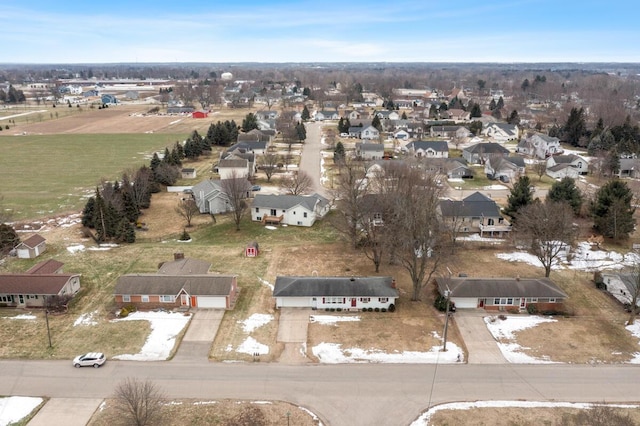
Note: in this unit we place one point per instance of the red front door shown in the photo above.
(194, 301)
(353, 302)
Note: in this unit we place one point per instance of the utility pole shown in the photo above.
(446, 320)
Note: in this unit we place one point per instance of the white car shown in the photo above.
(91, 359)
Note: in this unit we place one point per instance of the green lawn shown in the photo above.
(45, 175)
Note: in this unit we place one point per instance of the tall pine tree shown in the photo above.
(612, 211)
(521, 195)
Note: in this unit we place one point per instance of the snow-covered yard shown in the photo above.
(582, 258)
(503, 331)
(14, 408)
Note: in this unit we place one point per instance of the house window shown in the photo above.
(145, 298)
(365, 299)
(257, 209)
(490, 222)
(167, 298)
(273, 212)
(126, 298)
(534, 300)
(552, 300)
(332, 300)
(305, 214)
(383, 299)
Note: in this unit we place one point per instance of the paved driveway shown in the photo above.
(202, 330)
(481, 345)
(292, 331)
(66, 412)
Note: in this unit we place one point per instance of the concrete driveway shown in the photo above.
(66, 412)
(481, 345)
(199, 337)
(292, 331)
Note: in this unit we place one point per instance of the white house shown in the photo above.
(540, 146)
(342, 293)
(369, 132)
(501, 132)
(580, 164)
(369, 151)
(297, 210)
(428, 149)
(229, 168)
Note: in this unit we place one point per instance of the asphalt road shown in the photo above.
(355, 394)
(310, 158)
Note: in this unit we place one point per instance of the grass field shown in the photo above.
(48, 175)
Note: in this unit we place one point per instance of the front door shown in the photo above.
(481, 303)
(523, 303)
(353, 302)
(21, 299)
(194, 301)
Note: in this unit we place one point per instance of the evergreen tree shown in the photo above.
(126, 233)
(88, 213)
(232, 132)
(210, 137)
(514, 118)
(343, 125)
(575, 126)
(567, 191)
(8, 238)
(521, 195)
(305, 113)
(500, 103)
(456, 104)
(166, 158)
(475, 111)
(492, 105)
(612, 211)
(180, 150)
(155, 161)
(376, 123)
(404, 115)
(301, 131)
(612, 162)
(249, 123)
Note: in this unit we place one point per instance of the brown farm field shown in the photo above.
(126, 118)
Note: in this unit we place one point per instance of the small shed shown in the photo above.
(188, 173)
(252, 249)
(32, 247)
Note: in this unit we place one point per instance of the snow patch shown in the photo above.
(506, 329)
(255, 321)
(22, 317)
(332, 353)
(15, 408)
(86, 319)
(75, 248)
(165, 326)
(252, 346)
(265, 282)
(331, 319)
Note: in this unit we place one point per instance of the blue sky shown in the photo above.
(78, 31)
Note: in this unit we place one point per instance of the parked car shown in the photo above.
(91, 359)
(256, 188)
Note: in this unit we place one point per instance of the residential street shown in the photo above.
(310, 158)
(353, 394)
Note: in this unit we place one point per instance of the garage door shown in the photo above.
(211, 302)
(465, 302)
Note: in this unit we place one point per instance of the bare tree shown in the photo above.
(351, 185)
(298, 183)
(374, 240)
(548, 228)
(140, 402)
(540, 168)
(237, 189)
(187, 209)
(415, 232)
(268, 163)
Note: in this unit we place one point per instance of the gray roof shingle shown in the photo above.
(501, 287)
(334, 287)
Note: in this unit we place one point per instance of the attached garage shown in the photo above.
(294, 302)
(465, 302)
(211, 302)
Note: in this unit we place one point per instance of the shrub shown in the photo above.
(370, 309)
(377, 309)
(502, 317)
(384, 309)
(185, 236)
(333, 309)
(532, 309)
(326, 309)
(339, 309)
(392, 307)
(123, 313)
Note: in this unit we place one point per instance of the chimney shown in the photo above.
(393, 283)
(178, 256)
